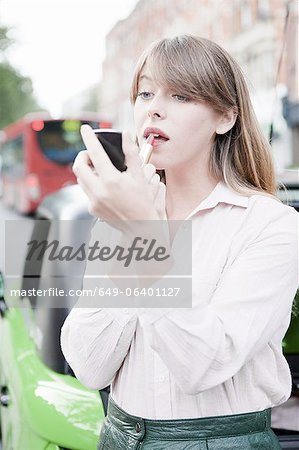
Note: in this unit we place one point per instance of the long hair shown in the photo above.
(205, 72)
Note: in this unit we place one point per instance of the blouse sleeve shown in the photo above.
(252, 300)
(95, 342)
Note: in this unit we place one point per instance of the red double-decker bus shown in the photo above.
(37, 153)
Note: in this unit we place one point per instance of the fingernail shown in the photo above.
(85, 126)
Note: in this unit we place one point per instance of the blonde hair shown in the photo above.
(203, 71)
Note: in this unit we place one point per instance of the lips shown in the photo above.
(158, 134)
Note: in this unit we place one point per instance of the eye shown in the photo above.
(181, 98)
(145, 95)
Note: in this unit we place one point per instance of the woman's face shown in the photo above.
(187, 127)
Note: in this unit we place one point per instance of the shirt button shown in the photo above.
(138, 427)
(126, 311)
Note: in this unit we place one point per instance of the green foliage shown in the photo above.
(16, 92)
(5, 41)
(16, 95)
(295, 309)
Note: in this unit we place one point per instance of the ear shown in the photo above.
(227, 120)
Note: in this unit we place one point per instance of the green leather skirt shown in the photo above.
(122, 431)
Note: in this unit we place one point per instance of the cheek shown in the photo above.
(139, 119)
(195, 138)
(201, 129)
(202, 119)
(140, 111)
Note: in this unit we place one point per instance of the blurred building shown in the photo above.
(86, 100)
(291, 100)
(251, 30)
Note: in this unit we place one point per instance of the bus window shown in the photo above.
(60, 140)
(13, 158)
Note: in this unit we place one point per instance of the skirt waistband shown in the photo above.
(198, 428)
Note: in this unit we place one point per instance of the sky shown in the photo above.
(60, 44)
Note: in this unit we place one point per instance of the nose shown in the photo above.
(156, 110)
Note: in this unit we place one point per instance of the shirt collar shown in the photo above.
(221, 194)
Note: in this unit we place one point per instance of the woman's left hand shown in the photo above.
(113, 195)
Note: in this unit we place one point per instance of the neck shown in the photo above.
(186, 190)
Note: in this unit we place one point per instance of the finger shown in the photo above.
(84, 189)
(131, 151)
(160, 200)
(155, 186)
(155, 180)
(81, 158)
(149, 171)
(86, 176)
(97, 154)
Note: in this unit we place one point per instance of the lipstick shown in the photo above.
(146, 149)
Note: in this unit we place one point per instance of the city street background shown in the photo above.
(73, 60)
(80, 56)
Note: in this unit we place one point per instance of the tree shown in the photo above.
(16, 92)
(5, 41)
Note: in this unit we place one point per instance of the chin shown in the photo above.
(158, 166)
(162, 165)
(158, 162)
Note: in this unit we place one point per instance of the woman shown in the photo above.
(206, 376)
